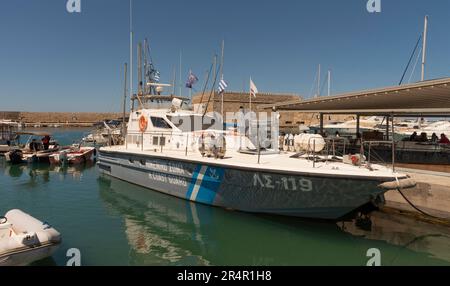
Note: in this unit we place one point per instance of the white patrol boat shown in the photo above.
(179, 152)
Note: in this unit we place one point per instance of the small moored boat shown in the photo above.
(73, 156)
(34, 150)
(25, 239)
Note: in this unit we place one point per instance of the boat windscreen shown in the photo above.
(159, 122)
(191, 123)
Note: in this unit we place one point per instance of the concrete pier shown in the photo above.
(432, 193)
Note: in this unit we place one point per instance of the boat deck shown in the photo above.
(273, 162)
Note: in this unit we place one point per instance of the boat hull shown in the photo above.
(25, 256)
(73, 158)
(244, 189)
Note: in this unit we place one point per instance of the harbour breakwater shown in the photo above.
(51, 119)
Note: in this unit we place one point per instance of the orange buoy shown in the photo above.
(143, 123)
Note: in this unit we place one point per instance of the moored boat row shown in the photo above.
(47, 150)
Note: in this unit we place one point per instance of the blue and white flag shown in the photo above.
(192, 79)
(222, 86)
(157, 76)
(154, 75)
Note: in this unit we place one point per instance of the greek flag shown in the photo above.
(222, 86)
(155, 75)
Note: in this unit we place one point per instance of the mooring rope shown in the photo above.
(415, 207)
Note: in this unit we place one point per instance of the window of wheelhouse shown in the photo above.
(159, 122)
(190, 123)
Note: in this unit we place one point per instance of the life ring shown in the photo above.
(143, 123)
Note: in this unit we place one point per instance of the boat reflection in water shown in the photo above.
(42, 172)
(162, 230)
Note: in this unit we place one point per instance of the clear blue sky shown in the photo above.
(51, 60)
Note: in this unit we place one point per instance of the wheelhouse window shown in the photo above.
(159, 122)
(190, 123)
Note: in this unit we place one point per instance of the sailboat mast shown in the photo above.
(221, 73)
(139, 56)
(131, 55)
(181, 91)
(124, 100)
(329, 82)
(425, 30)
(318, 82)
(146, 67)
(174, 80)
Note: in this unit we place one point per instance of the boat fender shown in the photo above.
(143, 123)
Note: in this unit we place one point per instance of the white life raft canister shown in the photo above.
(309, 142)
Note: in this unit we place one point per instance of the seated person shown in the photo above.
(434, 138)
(444, 139)
(413, 136)
(33, 145)
(423, 137)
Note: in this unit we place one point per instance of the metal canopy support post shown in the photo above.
(257, 139)
(358, 117)
(393, 144)
(321, 123)
(387, 127)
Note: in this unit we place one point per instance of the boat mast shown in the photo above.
(221, 73)
(131, 55)
(139, 93)
(329, 82)
(425, 30)
(139, 56)
(174, 80)
(146, 67)
(318, 83)
(124, 100)
(181, 90)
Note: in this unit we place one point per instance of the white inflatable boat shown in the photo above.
(24, 239)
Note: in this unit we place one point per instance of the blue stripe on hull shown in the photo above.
(206, 182)
(193, 181)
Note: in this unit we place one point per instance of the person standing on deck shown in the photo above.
(46, 142)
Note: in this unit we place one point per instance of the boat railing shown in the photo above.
(159, 144)
(370, 143)
(332, 142)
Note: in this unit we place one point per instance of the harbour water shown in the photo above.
(116, 223)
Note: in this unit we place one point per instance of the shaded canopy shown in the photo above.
(423, 98)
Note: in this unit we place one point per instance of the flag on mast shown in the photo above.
(253, 89)
(222, 86)
(192, 79)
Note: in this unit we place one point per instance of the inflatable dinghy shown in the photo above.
(24, 239)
